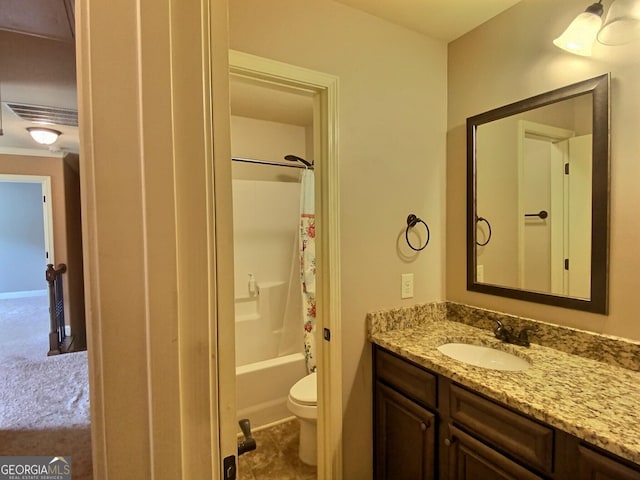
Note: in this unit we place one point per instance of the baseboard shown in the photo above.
(23, 294)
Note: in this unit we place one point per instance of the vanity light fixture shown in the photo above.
(579, 36)
(622, 24)
(44, 136)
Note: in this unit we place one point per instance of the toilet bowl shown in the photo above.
(303, 403)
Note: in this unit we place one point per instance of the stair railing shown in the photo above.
(57, 334)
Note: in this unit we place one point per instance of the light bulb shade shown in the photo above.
(44, 136)
(579, 36)
(622, 24)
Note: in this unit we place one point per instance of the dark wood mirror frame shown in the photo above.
(598, 301)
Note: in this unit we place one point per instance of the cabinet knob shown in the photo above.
(447, 442)
(424, 425)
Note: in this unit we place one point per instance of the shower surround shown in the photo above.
(269, 326)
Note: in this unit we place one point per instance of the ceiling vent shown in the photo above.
(45, 115)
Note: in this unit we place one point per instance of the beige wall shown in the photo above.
(392, 110)
(266, 140)
(48, 167)
(509, 58)
(75, 275)
(66, 225)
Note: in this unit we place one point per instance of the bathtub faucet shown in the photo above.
(248, 443)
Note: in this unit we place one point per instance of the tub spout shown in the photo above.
(248, 443)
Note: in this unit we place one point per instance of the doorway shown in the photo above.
(45, 399)
(319, 143)
(26, 233)
(25, 249)
(267, 190)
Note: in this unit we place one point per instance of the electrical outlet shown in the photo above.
(480, 274)
(406, 290)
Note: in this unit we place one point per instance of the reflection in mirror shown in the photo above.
(537, 198)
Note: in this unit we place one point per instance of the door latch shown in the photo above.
(229, 468)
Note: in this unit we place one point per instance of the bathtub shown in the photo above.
(262, 388)
(263, 378)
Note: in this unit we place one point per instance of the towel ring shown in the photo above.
(412, 221)
(482, 219)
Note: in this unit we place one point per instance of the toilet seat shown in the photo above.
(305, 391)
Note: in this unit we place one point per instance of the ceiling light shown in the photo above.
(44, 136)
(622, 24)
(580, 35)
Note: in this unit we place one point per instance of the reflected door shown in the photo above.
(579, 217)
(555, 252)
(537, 265)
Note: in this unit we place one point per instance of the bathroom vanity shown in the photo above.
(566, 416)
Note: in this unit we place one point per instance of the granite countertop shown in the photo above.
(593, 400)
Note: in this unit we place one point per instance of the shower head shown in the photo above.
(293, 158)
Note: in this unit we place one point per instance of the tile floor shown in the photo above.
(276, 455)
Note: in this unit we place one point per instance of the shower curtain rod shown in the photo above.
(267, 162)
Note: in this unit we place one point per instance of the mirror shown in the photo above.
(538, 198)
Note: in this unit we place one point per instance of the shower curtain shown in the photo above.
(307, 245)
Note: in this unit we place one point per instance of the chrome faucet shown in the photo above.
(505, 334)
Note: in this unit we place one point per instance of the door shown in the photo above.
(537, 205)
(579, 217)
(404, 437)
(543, 151)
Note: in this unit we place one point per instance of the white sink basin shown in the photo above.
(485, 357)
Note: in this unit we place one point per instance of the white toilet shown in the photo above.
(303, 403)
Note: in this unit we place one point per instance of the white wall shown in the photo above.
(392, 116)
(266, 200)
(509, 58)
(265, 231)
(266, 140)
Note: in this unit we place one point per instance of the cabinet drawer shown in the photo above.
(515, 434)
(411, 380)
(470, 459)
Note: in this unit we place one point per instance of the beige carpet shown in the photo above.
(44, 401)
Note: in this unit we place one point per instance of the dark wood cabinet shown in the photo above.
(428, 427)
(405, 437)
(527, 440)
(470, 459)
(597, 466)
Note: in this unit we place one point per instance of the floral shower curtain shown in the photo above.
(308, 266)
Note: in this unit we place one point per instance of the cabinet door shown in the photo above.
(596, 466)
(404, 437)
(470, 459)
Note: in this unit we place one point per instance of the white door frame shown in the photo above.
(156, 221)
(47, 210)
(324, 89)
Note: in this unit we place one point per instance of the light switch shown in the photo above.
(406, 290)
(480, 274)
